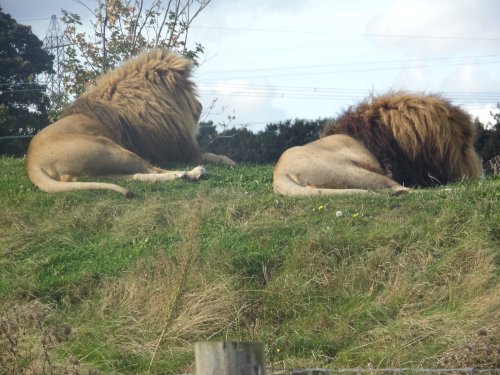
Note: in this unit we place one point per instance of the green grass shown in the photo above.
(95, 282)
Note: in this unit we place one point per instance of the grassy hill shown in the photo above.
(91, 282)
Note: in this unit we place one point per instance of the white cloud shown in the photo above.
(482, 113)
(450, 25)
(250, 103)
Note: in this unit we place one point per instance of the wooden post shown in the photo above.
(229, 358)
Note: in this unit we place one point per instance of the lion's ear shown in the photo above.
(180, 65)
(170, 62)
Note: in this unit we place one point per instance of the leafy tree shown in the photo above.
(23, 103)
(206, 134)
(488, 139)
(265, 146)
(277, 138)
(121, 29)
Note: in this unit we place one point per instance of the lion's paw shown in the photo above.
(196, 173)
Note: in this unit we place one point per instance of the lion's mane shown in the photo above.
(148, 105)
(419, 140)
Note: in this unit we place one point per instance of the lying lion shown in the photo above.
(144, 112)
(390, 143)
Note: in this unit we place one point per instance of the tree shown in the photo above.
(121, 29)
(276, 138)
(488, 138)
(23, 102)
(266, 146)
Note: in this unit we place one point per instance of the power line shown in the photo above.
(284, 96)
(14, 84)
(403, 61)
(320, 89)
(369, 35)
(328, 93)
(25, 90)
(365, 70)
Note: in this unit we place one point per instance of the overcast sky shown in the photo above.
(273, 60)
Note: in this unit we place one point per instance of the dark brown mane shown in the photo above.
(378, 139)
(418, 140)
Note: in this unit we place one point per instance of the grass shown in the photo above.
(95, 283)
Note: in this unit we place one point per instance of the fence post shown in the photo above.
(229, 358)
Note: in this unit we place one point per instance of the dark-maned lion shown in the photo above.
(144, 112)
(392, 142)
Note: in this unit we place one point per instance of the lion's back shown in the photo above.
(149, 104)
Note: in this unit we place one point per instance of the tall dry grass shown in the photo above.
(166, 299)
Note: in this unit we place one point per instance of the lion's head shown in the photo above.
(148, 105)
(419, 140)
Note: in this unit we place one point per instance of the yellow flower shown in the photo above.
(355, 215)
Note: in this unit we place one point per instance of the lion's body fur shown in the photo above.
(148, 103)
(145, 111)
(416, 140)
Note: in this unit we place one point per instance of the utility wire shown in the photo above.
(25, 90)
(369, 35)
(361, 70)
(402, 61)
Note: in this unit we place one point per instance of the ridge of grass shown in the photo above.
(90, 281)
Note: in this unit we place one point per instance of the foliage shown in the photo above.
(265, 146)
(488, 140)
(121, 29)
(94, 283)
(23, 103)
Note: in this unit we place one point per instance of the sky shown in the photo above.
(268, 61)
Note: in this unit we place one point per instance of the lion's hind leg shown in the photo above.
(355, 181)
(76, 155)
(317, 170)
(99, 156)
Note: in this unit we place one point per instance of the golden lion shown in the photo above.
(392, 142)
(144, 110)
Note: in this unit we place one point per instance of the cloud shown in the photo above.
(250, 103)
(438, 27)
(469, 78)
(476, 90)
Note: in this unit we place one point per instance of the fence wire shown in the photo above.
(393, 371)
(16, 137)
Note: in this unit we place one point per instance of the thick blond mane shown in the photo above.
(149, 106)
(419, 139)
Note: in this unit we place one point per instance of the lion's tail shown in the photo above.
(285, 184)
(46, 183)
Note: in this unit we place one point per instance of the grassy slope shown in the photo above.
(90, 280)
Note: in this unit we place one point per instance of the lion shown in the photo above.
(392, 143)
(146, 111)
